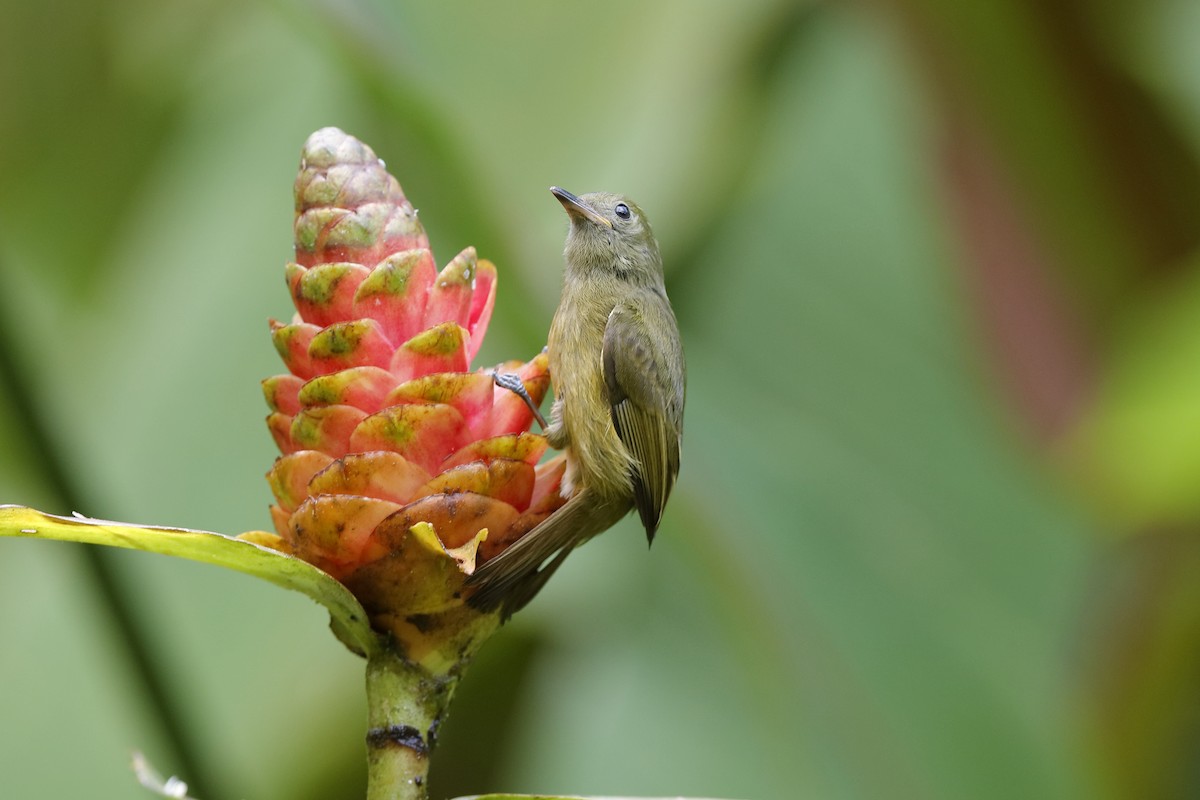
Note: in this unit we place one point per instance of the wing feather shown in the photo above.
(637, 375)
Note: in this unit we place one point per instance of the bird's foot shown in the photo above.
(513, 383)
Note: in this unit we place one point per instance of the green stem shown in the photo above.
(406, 704)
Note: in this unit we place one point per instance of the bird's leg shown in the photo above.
(512, 381)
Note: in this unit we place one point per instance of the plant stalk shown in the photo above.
(406, 705)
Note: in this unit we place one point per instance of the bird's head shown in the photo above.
(609, 232)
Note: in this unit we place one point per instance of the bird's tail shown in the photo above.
(513, 577)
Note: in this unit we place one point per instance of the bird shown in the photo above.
(617, 363)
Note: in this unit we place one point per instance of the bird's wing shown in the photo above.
(641, 397)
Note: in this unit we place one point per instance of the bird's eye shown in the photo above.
(622, 211)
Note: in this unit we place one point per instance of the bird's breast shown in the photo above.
(598, 458)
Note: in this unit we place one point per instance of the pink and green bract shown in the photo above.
(382, 425)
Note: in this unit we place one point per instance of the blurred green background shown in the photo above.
(937, 266)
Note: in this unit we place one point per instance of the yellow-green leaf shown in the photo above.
(1137, 448)
(347, 618)
(563, 797)
(566, 797)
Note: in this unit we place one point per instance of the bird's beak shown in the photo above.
(577, 208)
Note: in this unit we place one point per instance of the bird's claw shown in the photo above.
(513, 383)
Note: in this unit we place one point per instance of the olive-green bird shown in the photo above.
(619, 382)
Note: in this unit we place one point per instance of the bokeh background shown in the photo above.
(937, 267)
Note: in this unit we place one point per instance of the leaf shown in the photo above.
(347, 617)
(1137, 449)
(565, 797)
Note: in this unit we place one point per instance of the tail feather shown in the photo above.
(515, 572)
(527, 588)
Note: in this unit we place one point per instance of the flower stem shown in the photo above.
(406, 704)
